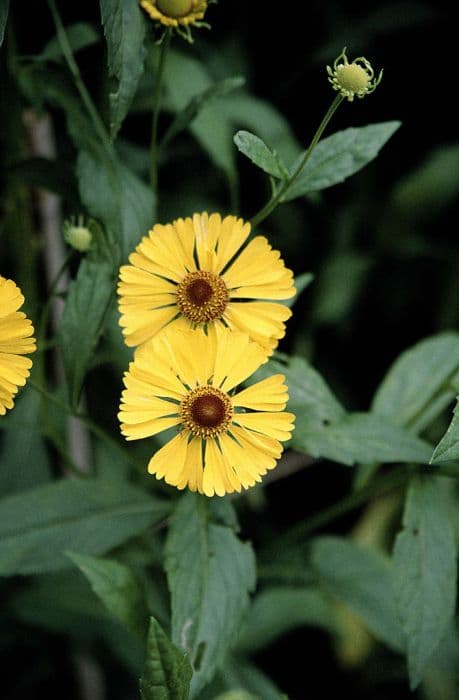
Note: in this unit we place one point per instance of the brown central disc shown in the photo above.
(199, 292)
(208, 411)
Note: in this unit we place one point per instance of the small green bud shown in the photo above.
(77, 235)
(353, 79)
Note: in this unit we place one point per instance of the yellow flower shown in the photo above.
(226, 441)
(16, 339)
(173, 13)
(353, 79)
(192, 272)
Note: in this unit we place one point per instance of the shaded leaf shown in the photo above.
(119, 590)
(363, 579)
(124, 28)
(80, 36)
(448, 447)
(364, 438)
(258, 152)
(418, 379)
(167, 672)
(52, 175)
(210, 574)
(37, 526)
(425, 572)
(339, 156)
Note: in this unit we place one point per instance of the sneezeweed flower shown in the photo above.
(226, 441)
(177, 14)
(16, 340)
(195, 272)
(355, 79)
(77, 235)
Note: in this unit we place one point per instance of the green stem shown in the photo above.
(283, 189)
(41, 327)
(81, 87)
(157, 109)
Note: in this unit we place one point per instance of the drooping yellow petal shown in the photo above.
(258, 263)
(270, 394)
(193, 474)
(219, 478)
(148, 428)
(168, 463)
(233, 234)
(140, 325)
(275, 425)
(236, 358)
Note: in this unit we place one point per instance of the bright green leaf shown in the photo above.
(118, 588)
(167, 672)
(418, 380)
(276, 611)
(210, 574)
(425, 572)
(259, 153)
(448, 447)
(364, 438)
(92, 516)
(124, 28)
(339, 156)
(363, 580)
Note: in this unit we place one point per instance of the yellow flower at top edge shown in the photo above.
(195, 272)
(226, 441)
(173, 13)
(16, 340)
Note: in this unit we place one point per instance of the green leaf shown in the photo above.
(340, 282)
(259, 153)
(80, 35)
(364, 438)
(276, 611)
(117, 197)
(52, 175)
(417, 380)
(93, 516)
(363, 579)
(118, 588)
(88, 300)
(4, 7)
(167, 671)
(425, 572)
(210, 574)
(124, 28)
(339, 156)
(239, 674)
(448, 447)
(184, 118)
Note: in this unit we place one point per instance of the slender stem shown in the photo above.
(81, 87)
(157, 109)
(283, 189)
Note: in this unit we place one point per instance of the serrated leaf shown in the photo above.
(167, 672)
(278, 610)
(80, 36)
(425, 572)
(364, 438)
(93, 516)
(339, 156)
(418, 380)
(4, 7)
(87, 303)
(448, 447)
(363, 579)
(210, 574)
(260, 154)
(184, 118)
(119, 590)
(124, 28)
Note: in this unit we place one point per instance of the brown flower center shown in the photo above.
(175, 8)
(202, 296)
(206, 411)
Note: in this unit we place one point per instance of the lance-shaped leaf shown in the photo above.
(124, 28)
(259, 153)
(167, 672)
(38, 526)
(338, 157)
(119, 590)
(448, 447)
(425, 572)
(210, 574)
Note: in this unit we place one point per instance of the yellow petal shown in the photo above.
(148, 428)
(168, 462)
(268, 395)
(275, 425)
(237, 357)
(140, 326)
(233, 234)
(258, 263)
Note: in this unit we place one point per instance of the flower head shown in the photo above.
(226, 441)
(178, 14)
(77, 235)
(353, 79)
(194, 272)
(16, 340)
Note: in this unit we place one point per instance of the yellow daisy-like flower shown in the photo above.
(226, 441)
(173, 13)
(193, 272)
(16, 340)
